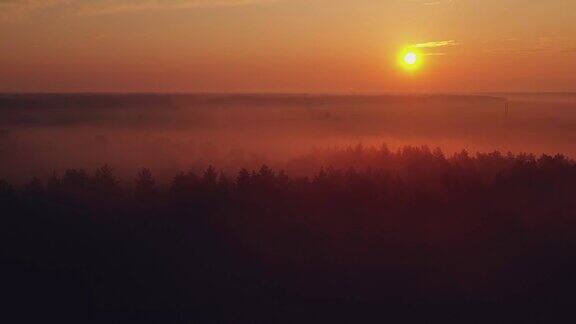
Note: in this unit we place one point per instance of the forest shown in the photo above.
(411, 234)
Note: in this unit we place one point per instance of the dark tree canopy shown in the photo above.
(373, 234)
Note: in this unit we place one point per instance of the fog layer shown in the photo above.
(42, 134)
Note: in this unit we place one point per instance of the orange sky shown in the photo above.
(286, 45)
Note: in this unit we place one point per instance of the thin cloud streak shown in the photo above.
(113, 7)
(428, 2)
(14, 10)
(526, 46)
(436, 44)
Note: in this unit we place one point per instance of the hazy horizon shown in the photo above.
(42, 133)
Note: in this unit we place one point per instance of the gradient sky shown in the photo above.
(286, 45)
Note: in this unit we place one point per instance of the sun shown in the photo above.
(409, 59)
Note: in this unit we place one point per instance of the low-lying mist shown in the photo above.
(42, 134)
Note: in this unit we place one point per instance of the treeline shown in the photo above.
(476, 237)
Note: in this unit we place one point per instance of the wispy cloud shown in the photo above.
(526, 46)
(522, 50)
(113, 6)
(435, 54)
(435, 48)
(436, 44)
(429, 2)
(11, 10)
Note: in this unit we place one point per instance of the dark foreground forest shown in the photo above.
(374, 236)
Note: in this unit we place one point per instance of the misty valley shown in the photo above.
(42, 134)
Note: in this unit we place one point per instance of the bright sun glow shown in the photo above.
(410, 58)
